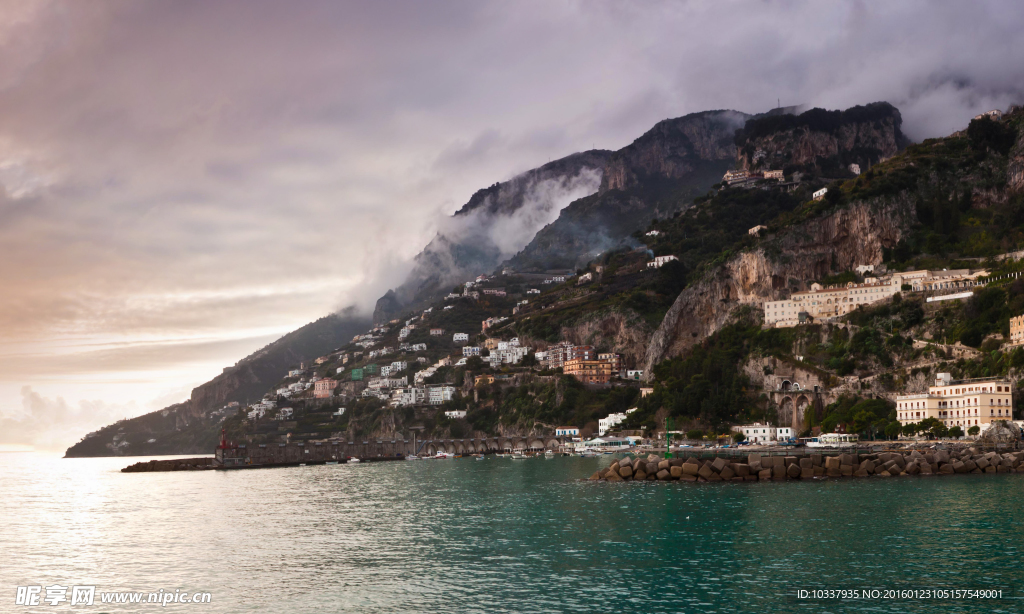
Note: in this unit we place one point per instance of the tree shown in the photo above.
(940, 430)
(974, 430)
(695, 434)
(893, 430)
(956, 432)
(738, 437)
(474, 363)
(528, 361)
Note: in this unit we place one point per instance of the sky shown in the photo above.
(182, 182)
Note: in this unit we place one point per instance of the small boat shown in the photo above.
(444, 455)
(354, 460)
(331, 463)
(519, 456)
(412, 457)
(549, 453)
(479, 456)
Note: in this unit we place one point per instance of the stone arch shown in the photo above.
(519, 444)
(553, 444)
(536, 444)
(786, 385)
(786, 410)
(459, 447)
(431, 449)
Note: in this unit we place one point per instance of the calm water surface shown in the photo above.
(501, 536)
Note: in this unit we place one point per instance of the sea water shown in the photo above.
(504, 535)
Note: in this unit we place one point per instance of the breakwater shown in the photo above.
(815, 465)
(175, 464)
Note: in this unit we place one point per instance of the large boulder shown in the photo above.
(1001, 431)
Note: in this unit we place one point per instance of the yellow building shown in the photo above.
(963, 403)
(1017, 330)
(589, 371)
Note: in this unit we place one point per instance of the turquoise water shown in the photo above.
(502, 536)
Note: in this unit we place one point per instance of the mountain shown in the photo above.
(189, 427)
(694, 322)
(658, 174)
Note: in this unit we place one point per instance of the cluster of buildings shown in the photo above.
(964, 403)
(660, 261)
(611, 421)
(739, 178)
(822, 303)
(584, 363)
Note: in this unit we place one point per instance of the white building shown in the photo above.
(460, 337)
(758, 433)
(567, 431)
(606, 424)
(404, 332)
(659, 261)
(295, 373)
(437, 395)
(470, 350)
(455, 414)
(820, 194)
(854, 168)
(398, 366)
(784, 433)
(827, 303)
(533, 291)
(412, 395)
(653, 233)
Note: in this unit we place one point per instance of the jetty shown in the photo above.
(756, 467)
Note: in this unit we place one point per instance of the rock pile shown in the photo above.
(179, 464)
(756, 467)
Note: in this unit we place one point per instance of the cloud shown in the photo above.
(53, 424)
(206, 169)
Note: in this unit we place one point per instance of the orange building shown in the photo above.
(589, 371)
(324, 388)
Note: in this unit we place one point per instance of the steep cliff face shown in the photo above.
(624, 333)
(1015, 168)
(672, 147)
(822, 141)
(387, 308)
(835, 242)
(655, 176)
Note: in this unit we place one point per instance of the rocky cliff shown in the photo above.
(821, 141)
(835, 242)
(1015, 167)
(672, 148)
(622, 332)
(658, 174)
